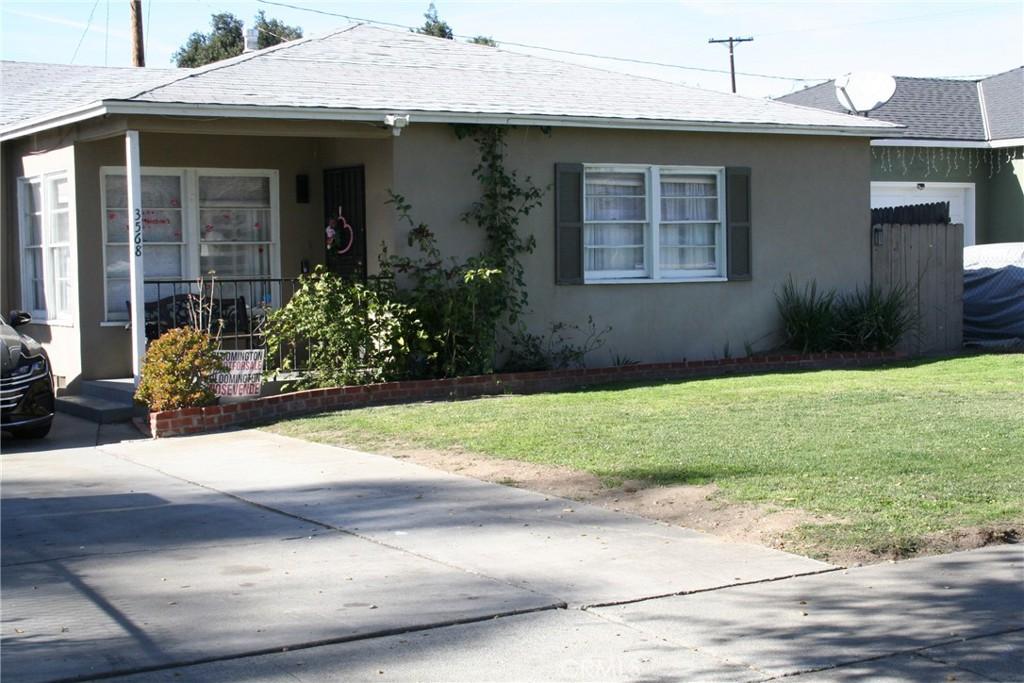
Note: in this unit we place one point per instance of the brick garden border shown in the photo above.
(195, 420)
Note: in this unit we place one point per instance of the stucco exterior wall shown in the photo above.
(1006, 197)
(810, 209)
(32, 157)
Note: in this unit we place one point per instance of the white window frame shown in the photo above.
(190, 224)
(46, 245)
(652, 230)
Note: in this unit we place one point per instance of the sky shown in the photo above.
(797, 43)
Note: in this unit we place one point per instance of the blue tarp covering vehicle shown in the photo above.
(994, 294)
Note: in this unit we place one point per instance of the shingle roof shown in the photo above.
(940, 108)
(1004, 103)
(31, 89)
(370, 68)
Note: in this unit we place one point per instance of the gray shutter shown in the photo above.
(738, 237)
(569, 224)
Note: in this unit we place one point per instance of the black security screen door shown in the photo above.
(345, 222)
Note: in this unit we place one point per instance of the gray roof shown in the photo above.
(31, 89)
(1004, 104)
(364, 68)
(941, 108)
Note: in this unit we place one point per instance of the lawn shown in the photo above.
(895, 455)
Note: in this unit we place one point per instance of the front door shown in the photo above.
(345, 222)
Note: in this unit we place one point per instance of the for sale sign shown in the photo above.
(244, 374)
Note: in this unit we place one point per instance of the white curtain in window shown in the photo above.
(615, 217)
(689, 227)
(235, 226)
(162, 234)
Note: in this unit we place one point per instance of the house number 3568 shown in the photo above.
(137, 232)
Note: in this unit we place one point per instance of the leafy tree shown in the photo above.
(484, 40)
(273, 31)
(225, 40)
(433, 26)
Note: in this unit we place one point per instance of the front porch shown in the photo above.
(234, 213)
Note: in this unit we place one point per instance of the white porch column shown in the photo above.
(134, 182)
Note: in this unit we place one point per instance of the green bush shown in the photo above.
(179, 370)
(808, 317)
(872, 320)
(350, 333)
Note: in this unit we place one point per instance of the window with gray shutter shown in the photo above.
(739, 244)
(569, 224)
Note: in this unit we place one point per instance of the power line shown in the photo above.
(106, 36)
(88, 25)
(549, 49)
(149, 12)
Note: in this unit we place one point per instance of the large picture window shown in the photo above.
(196, 223)
(46, 264)
(653, 223)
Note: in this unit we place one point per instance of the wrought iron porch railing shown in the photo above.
(235, 308)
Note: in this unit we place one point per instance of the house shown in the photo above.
(963, 144)
(680, 211)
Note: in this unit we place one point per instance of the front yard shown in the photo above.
(885, 462)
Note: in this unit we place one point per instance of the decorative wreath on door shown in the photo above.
(331, 231)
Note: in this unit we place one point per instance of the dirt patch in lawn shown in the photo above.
(694, 507)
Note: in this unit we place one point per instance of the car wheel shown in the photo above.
(37, 432)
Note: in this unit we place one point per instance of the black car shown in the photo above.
(26, 384)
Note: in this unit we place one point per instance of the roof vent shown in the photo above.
(252, 40)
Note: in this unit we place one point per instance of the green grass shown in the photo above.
(896, 454)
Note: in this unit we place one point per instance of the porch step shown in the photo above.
(118, 390)
(96, 409)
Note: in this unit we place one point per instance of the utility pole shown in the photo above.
(138, 51)
(732, 61)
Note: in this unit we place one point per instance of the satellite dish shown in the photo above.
(864, 91)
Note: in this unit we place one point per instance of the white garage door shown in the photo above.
(959, 195)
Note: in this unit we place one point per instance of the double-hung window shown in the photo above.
(645, 223)
(46, 264)
(163, 234)
(209, 223)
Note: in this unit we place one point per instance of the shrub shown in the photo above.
(459, 305)
(808, 318)
(869, 319)
(553, 350)
(179, 370)
(350, 333)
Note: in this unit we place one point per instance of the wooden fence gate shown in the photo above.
(928, 261)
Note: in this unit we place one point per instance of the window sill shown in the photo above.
(52, 323)
(114, 323)
(652, 281)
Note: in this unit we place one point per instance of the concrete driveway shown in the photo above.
(251, 556)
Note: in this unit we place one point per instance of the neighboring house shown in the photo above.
(963, 144)
(680, 211)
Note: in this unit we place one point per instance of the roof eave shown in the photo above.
(42, 123)
(953, 144)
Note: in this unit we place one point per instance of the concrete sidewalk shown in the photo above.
(202, 558)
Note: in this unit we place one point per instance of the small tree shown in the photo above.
(484, 40)
(225, 40)
(433, 26)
